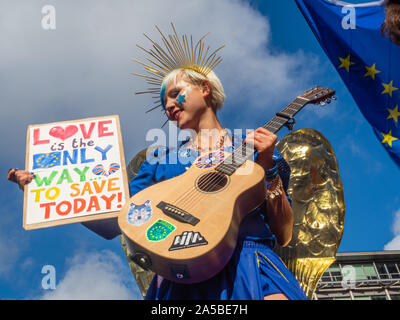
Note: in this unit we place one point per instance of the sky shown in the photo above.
(84, 69)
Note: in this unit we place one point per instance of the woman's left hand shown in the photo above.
(264, 142)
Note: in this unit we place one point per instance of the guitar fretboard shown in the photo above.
(246, 151)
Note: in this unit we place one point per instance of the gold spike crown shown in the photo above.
(178, 53)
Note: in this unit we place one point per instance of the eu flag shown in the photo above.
(46, 160)
(367, 62)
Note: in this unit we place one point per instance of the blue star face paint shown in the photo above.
(181, 99)
(173, 96)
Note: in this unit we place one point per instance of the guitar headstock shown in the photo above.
(319, 95)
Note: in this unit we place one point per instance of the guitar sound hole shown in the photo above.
(212, 181)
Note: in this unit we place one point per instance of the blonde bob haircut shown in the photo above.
(196, 78)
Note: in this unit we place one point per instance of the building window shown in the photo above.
(370, 272)
(393, 270)
(383, 274)
(336, 274)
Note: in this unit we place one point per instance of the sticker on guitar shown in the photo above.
(139, 214)
(210, 160)
(188, 239)
(159, 230)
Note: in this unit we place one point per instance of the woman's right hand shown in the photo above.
(21, 177)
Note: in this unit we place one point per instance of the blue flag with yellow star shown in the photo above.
(368, 63)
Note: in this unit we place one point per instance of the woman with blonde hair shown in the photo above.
(190, 95)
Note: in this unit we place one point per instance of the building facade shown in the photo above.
(361, 276)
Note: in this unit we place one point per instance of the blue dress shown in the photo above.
(254, 270)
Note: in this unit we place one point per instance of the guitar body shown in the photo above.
(185, 229)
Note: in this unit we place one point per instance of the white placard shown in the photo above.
(79, 169)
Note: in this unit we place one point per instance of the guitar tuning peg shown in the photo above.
(328, 101)
(323, 104)
(334, 98)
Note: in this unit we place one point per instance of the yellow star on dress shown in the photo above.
(346, 63)
(371, 71)
(388, 138)
(394, 114)
(389, 88)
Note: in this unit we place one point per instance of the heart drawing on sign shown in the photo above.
(99, 170)
(61, 133)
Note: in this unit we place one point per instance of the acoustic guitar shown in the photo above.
(185, 229)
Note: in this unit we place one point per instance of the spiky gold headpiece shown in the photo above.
(177, 54)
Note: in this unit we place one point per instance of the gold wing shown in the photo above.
(317, 197)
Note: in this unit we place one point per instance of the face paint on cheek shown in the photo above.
(181, 98)
(185, 88)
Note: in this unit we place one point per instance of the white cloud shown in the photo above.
(394, 244)
(95, 276)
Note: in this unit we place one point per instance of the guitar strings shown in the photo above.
(217, 178)
(210, 183)
(206, 183)
(196, 196)
(186, 200)
(192, 195)
(189, 191)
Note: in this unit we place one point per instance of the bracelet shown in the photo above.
(275, 188)
(272, 173)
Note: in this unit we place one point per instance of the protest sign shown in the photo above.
(79, 169)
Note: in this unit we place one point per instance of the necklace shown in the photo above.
(217, 146)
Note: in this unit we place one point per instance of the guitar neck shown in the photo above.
(246, 152)
(285, 115)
